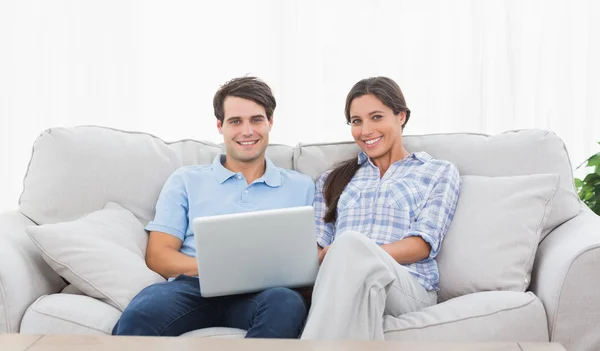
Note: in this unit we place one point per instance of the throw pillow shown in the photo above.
(493, 238)
(102, 254)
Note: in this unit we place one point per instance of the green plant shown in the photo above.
(589, 187)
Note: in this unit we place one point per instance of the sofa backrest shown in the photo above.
(74, 171)
(512, 153)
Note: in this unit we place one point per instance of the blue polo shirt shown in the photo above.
(208, 190)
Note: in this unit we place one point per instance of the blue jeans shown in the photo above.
(176, 307)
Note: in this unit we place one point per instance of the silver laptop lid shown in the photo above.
(253, 251)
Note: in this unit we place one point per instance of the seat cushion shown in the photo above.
(502, 316)
(72, 313)
(69, 314)
(217, 333)
(513, 153)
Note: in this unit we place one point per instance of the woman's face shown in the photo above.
(374, 126)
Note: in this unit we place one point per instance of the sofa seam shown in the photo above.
(46, 131)
(469, 318)
(5, 305)
(2, 291)
(539, 230)
(558, 302)
(35, 309)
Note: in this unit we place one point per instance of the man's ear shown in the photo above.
(220, 126)
(271, 122)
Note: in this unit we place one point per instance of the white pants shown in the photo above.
(357, 284)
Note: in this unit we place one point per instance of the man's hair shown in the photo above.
(250, 88)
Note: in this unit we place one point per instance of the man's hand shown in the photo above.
(322, 253)
(306, 294)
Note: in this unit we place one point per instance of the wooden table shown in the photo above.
(17, 342)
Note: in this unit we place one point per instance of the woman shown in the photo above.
(381, 219)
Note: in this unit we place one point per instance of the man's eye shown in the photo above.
(257, 120)
(235, 122)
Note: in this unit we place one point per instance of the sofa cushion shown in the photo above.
(218, 332)
(513, 153)
(101, 254)
(69, 314)
(74, 171)
(493, 316)
(493, 238)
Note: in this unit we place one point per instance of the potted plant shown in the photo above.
(589, 188)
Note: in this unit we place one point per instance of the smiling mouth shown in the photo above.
(372, 142)
(247, 143)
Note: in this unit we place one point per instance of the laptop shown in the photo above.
(253, 251)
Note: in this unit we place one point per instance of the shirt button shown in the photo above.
(239, 177)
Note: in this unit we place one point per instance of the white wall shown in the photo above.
(153, 66)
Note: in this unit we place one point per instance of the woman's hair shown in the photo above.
(389, 93)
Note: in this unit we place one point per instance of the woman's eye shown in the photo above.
(355, 121)
(376, 117)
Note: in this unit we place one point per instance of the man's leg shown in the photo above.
(168, 309)
(273, 313)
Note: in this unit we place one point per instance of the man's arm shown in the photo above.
(168, 230)
(163, 256)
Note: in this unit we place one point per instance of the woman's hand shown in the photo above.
(322, 253)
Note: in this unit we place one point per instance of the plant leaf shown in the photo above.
(594, 160)
(591, 178)
(596, 208)
(578, 183)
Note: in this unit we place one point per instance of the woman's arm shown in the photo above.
(408, 250)
(426, 233)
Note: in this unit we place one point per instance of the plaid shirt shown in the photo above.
(417, 196)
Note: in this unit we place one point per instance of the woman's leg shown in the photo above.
(351, 291)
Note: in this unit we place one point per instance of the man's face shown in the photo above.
(245, 129)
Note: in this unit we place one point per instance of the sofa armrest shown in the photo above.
(24, 275)
(566, 277)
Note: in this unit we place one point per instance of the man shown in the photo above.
(241, 180)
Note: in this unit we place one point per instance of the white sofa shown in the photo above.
(553, 294)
